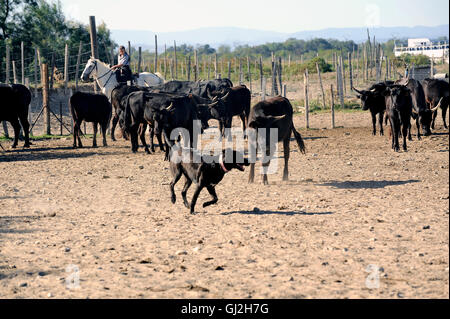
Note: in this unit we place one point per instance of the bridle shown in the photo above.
(104, 75)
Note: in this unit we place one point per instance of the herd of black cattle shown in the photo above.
(181, 104)
(178, 104)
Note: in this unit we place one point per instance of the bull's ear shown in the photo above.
(358, 97)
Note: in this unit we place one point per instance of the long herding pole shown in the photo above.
(306, 83)
(45, 98)
(333, 124)
(176, 62)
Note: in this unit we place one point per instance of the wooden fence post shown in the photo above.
(249, 74)
(22, 62)
(216, 71)
(35, 72)
(350, 67)
(306, 84)
(94, 43)
(321, 86)
(139, 68)
(340, 86)
(195, 66)
(61, 119)
(156, 54)
(45, 98)
(240, 72)
(280, 73)
(208, 67)
(77, 68)
(333, 126)
(165, 61)
(176, 61)
(263, 89)
(8, 63)
(52, 70)
(261, 72)
(189, 68)
(14, 72)
(66, 67)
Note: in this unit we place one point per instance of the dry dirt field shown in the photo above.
(351, 203)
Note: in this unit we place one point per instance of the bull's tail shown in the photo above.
(299, 139)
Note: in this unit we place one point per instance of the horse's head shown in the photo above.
(89, 70)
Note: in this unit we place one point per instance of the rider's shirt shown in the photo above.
(124, 59)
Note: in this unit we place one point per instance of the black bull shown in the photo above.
(374, 100)
(399, 107)
(15, 101)
(165, 112)
(437, 96)
(276, 113)
(94, 108)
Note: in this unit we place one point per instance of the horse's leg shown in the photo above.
(115, 120)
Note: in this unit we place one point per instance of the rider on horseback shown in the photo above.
(124, 71)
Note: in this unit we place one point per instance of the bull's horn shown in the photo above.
(356, 90)
(213, 104)
(277, 118)
(226, 96)
(170, 107)
(438, 106)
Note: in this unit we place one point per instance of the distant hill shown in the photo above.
(238, 36)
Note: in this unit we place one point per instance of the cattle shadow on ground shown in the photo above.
(367, 184)
(7, 221)
(311, 138)
(280, 213)
(44, 154)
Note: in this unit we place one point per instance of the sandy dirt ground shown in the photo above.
(356, 220)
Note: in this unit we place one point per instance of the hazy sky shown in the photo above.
(279, 15)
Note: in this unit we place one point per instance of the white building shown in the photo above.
(424, 47)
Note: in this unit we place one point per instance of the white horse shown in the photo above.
(107, 80)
